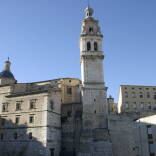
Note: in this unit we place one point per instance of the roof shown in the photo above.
(6, 74)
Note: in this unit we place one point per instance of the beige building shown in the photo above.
(135, 125)
(135, 98)
(31, 113)
(70, 117)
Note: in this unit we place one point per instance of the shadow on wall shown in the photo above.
(18, 140)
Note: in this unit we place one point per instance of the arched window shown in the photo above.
(95, 46)
(90, 29)
(88, 46)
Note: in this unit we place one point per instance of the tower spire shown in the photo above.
(88, 3)
(7, 65)
(89, 11)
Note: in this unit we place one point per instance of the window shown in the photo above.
(69, 91)
(95, 46)
(141, 95)
(142, 105)
(133, 88)
(31, 119)
(149, 129)
(30, 135)
(69, 113)
(1, 136)
(134, 105)
(150, 141)
(88, 46)
(18, 105)
(4, 107)
(15, 136)
(52, 151)
(148, 126)
(148, 95)
(17, 119)
(3, 122)
(51, 104)
(90, 29)
(151, 149)
(126, 94)
(133, 95)
(154, 96)
(32, 104)
(126, 106)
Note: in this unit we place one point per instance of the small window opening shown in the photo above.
(95, 46)
(3, 122)
(52, 151)
(69, 91)
(51, 104)
(31, 119)
(17, 120)
(88, 46)
(90, 29)
(18, 106)
(32, 104)
(69, 113)
(2, 136)
(5, 107)
(15, 136)
(30, 135)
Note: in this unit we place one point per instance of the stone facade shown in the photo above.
(31, 115)
(69, 117)
(133, 98)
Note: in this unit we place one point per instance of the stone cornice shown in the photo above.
(27, 93)
(86, 35)
(92, 56)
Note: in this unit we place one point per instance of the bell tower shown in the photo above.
(94, 92)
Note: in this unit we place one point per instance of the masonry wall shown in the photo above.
(129, 134)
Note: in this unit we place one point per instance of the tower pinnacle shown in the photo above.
(89, 11)
(7, 65)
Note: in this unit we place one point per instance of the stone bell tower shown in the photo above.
(94, 96)
(95, 138)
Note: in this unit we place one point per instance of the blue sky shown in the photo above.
(41, 37)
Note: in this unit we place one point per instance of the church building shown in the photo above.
(72, 117)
